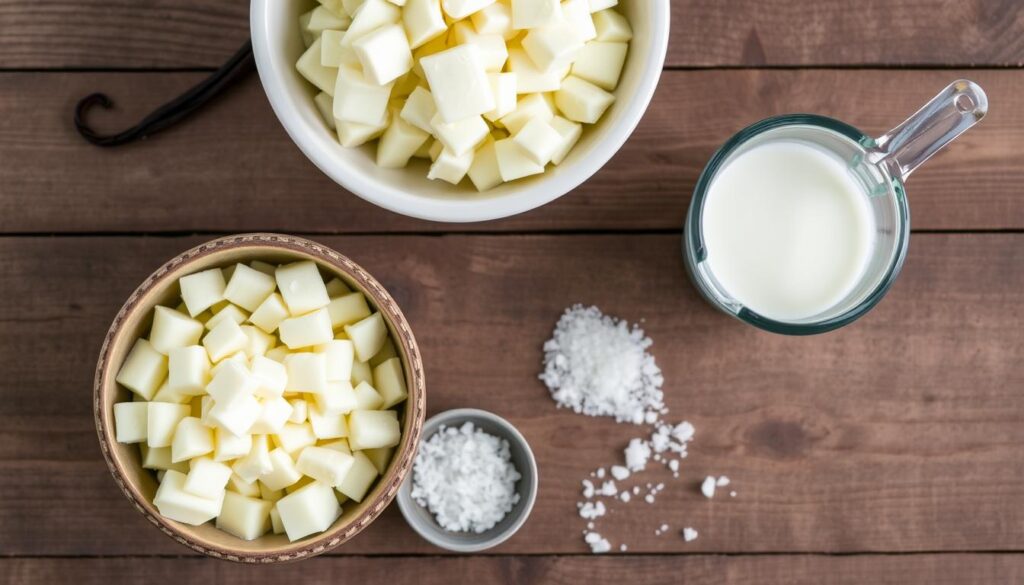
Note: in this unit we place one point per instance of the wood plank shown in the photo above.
(693, 570)
(186, 180)
(899, 433)
(705, 33)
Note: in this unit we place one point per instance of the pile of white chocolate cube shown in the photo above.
(495, 90)
(265, 400)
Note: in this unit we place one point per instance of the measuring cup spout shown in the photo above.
(948, 115)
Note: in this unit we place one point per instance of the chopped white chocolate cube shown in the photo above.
(303, 482)
(329, 466)
(552, 45)
(256, 464)
(269, 494)
(310, 67)
(387, 351)
(294, 437)
(361, 372)
(351, 6)
(248, 288)
(423, 21)
(348, 309)
(270, 313)
(493, 51)
(360, 100)
(459, 9)
(327, 426)
(337, 445)
(372, 429)
(269, 377)
(612, 27)
(131, 421)
(323, 19)
(352, 134)
(228, 312)
(307, 372)
(458, 82)
(171, 329)
(228, 446)
(308, 330)
(301, 287)
(206, 478)
(400, 141)
(232, 381)
(325, 105)
(244, 517)
(367, 397)
(601, 63)
(419, 109)
(495, 19)
(384, 54)
(238, 358)
(484, 171)
(191, 439)
(159, 458)
(538, 140)
(162, 419)
(143, 370)
(577, 14)
(339, 355)
(450, 168)
(274, 414)
(372, 15)
(307, 37)
(240, 486)
(359, 477)
(462, 136)
(379, 457)
(596, 5)
(224, 339)
(336, 288)
(503, 86)
(283, 472)
(368, 336)
(175, 503)
(535, 13)
(236, 416)
(188, 370)
(389, 381)
(259, 343)
(530, 78)
(309, 510)
(299, 410)
(570, 132)
(275, 521)
(201, 290)
(514, 162)
(582, 101)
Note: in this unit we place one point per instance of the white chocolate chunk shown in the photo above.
(577, 14)
(337, 445)
(351, 6)
(400, 141)
(329, 466)
(328, 426)
(159, 458)
(514, 162)
(372, 429)
(206, 478)
(348, 309)
(503, 86)
(612, 27)
(389, 381)
(282, 473)
(310, 67)
(258, 343)
(269, 494)
(238, 358)
(309, 510)
(274, 414)
(535, 13)
(462, 136)
(143, 370)
(368, 335)
(165, 394)
(224, 339)
(307, 36)
(256, 464)
(191, 439)
(582, 101)
(301, 287)
(552, 46)
(372, 15)
(458, 82)
(387, 351)
(323, 19)
(240, 486)
(352, 134)
(188, 370)
(450, 168)
(228, 312)
(339, 355)
(278, 354)
(596, 5)
(361, 372)
(570, 132)
(228, 446)
(384, 54)
(336, 288)
(359, 477)
(531, 79)
(295, 437)
(495, 19)
(359, 100)
(484, 172)
(270, 313)
(379, 457)
(601, 63)
(244, 517)
(299, 410)
(275, 521)
(202, 290)
(538, 140)
(423, 21)
(248, 288)
(458, 9)
(171, 329)
(162, 419)
(307, 372)
(310, 329)
(493, 51)
(332, 54)
(269, 377)
(419, 109)
(236, 416)
(367, 397)
(231, 382)
(131, 421)
(175, 503)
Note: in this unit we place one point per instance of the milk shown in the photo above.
(788, 231)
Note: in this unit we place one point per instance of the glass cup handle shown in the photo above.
(948, 115)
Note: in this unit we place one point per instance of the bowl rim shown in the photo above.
(386, 488)
(407, 505)
(464, 209)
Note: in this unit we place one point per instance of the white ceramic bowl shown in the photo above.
(277, 45)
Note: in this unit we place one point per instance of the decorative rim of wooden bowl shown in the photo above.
(382, 494)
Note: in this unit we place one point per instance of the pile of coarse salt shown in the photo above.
(599, 366)
(465, 478)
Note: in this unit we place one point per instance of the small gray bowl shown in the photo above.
(423, 522)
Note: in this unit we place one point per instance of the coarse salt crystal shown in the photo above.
(597, 543)
(649, 498)
(674, 465)
(637, 453)
(465, 478)
(608, 488)
(588, 489)
(624, 496)
(592, 510)
(689, 534)
(600, 472)
(619, 472)
(722, 481)
(708, 487)
(732, 494)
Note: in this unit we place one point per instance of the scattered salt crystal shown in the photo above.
(664, 528)
(722, 481)
(683, 432)
(600, 473)
(674, 465)
(659, 487)
(597, 543)
(588, 489)
(649, 498)
(623, 548)
(608, 488)
(708, 487)
(637, 453)
(599, 366)
(732, 494)
(657, 457)
(590, 525)
(465, 478)
(591, 510)
(591, 537)
(689, 534)
(624, 496)
(636, 490)
(619, 472)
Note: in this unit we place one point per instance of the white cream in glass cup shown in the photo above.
(799, 224)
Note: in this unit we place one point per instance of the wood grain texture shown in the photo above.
(705, 33)
(233, 168)
(693, 570)
(898, 433)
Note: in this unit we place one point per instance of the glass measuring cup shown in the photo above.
(879, 166)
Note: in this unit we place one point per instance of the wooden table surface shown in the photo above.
(887, 452)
